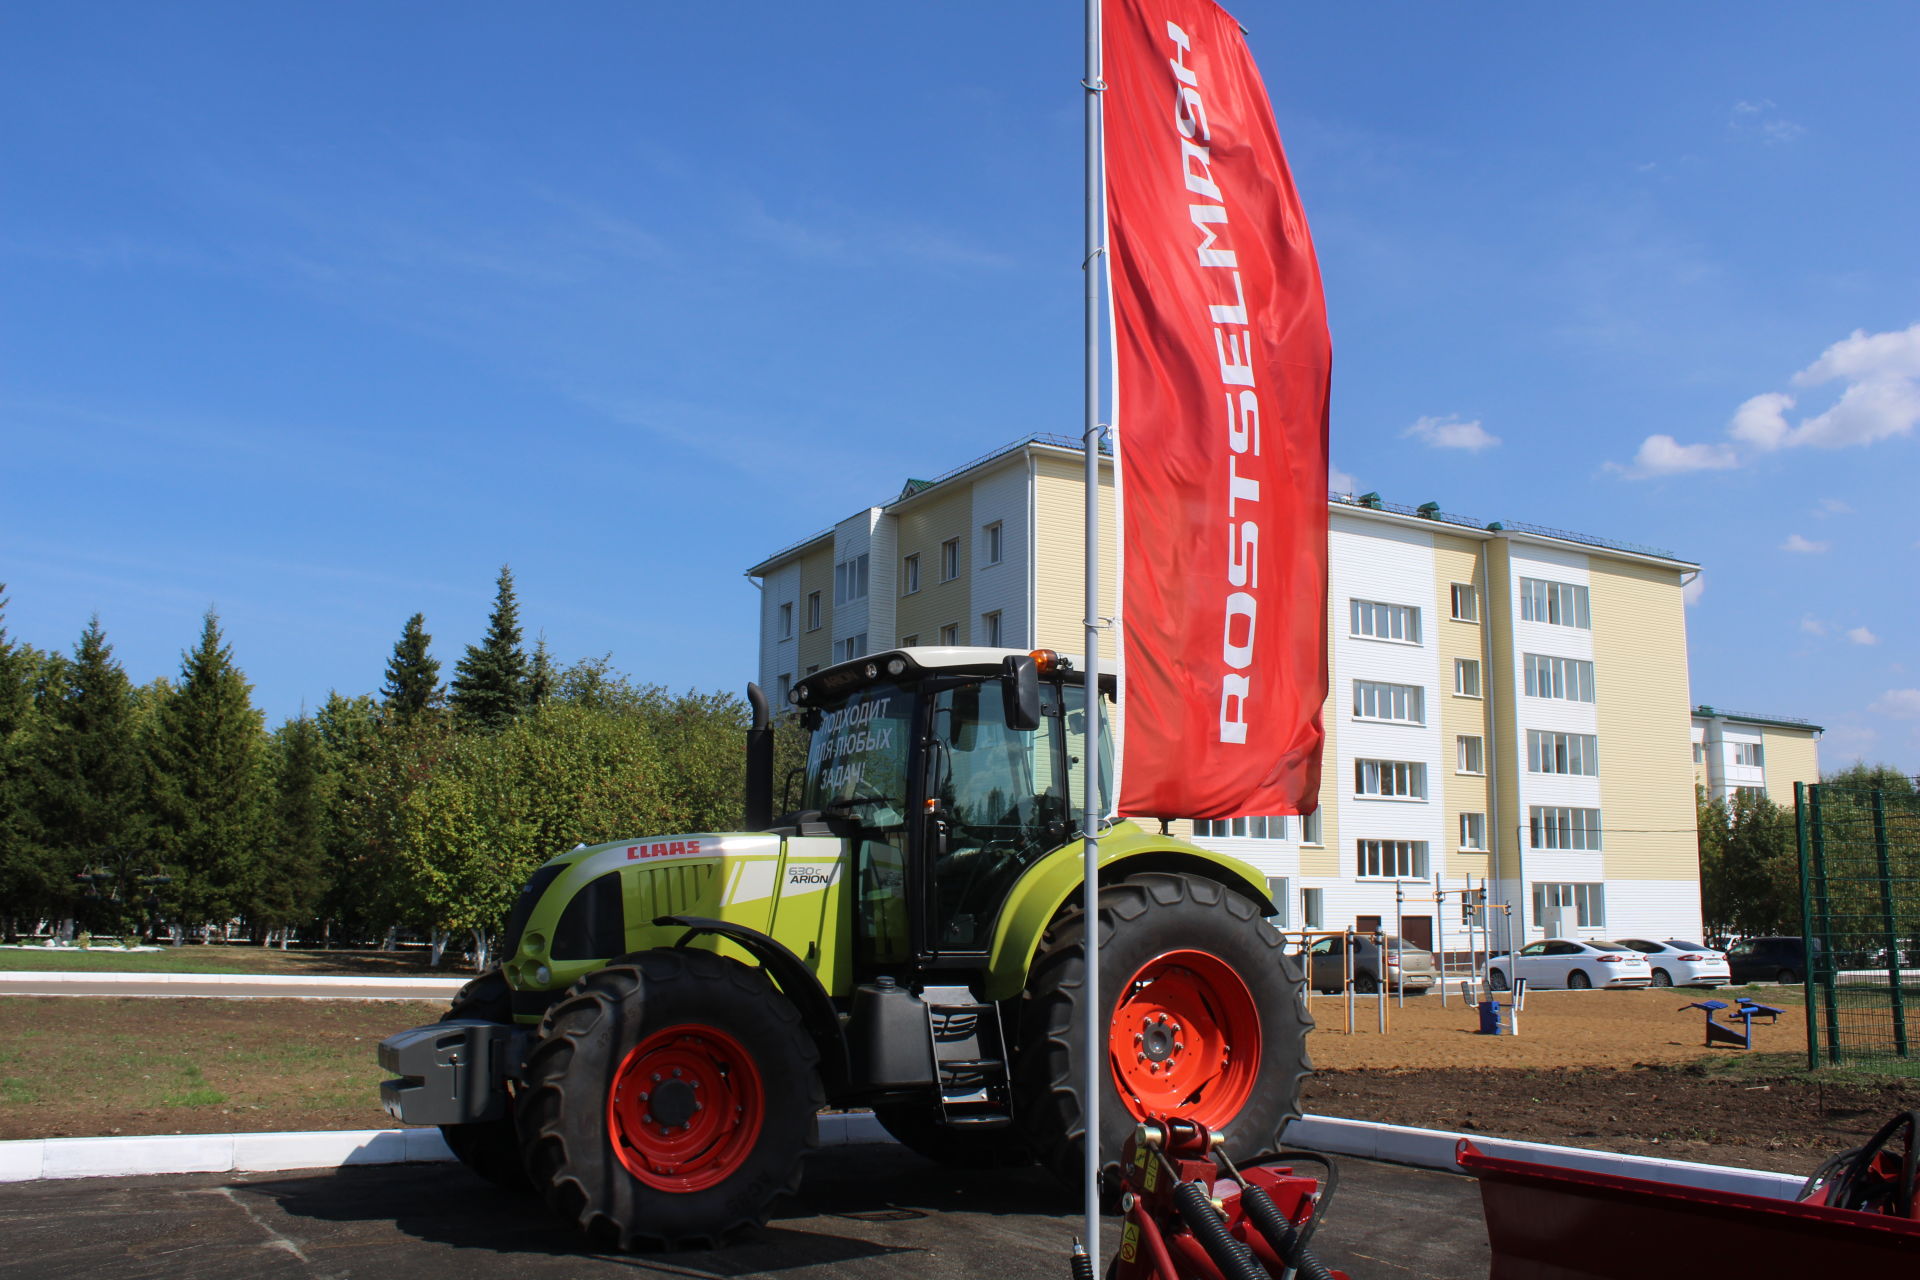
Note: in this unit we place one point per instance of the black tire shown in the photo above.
(1579, 981)
(490, 1148)
(917, 1126)
(1661, 978)
(1142, 918)
(1787, 978)
(580, 1071)
(1497, 980)
(1366, 984)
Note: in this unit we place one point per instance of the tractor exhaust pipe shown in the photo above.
(759, 788)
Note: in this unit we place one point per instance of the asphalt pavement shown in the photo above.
(867, 1211)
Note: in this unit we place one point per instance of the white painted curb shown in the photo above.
(37, 1158)
(1434, 1149)
(24, 977)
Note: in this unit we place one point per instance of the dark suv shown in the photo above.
(1768, 960)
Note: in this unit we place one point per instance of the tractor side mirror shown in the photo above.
(1020, 692)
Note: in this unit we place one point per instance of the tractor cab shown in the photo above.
(950, 772)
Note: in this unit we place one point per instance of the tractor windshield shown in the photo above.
(857, 756)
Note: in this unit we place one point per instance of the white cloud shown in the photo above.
(1665, 456)
(1802, 545)
(1340, 482)
(1693, 589)
(1813, 626)
(1880, 400)
(1761, 421)
(1833, 507)
(1902, 704)
(1450, 433)
(1759, 116)
(1860, 635)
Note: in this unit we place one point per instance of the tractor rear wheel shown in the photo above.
(1206, 1013)
(670, 1099)
(492, 1147)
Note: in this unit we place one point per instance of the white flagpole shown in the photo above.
(1094, 1083)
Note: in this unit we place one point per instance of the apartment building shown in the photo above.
(1735, 753)
(1508, 704)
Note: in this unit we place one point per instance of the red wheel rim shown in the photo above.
(1185, 1039)
(685, 1108)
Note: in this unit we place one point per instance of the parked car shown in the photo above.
(1572, 963)
(1409, 967)
(1678, 963)
(1768, 960)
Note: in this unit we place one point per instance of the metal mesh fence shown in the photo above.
(1860, 878)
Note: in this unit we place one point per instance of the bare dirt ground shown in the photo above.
(1619, 1071)
(1610, 1070)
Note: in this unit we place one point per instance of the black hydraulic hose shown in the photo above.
(1286, 1239)
(1327, 1191)
(1082, 1265)
(1235, 1260)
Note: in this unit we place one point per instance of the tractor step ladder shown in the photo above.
(975, 1091)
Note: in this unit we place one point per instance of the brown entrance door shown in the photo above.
(1418, 931)
(1366, 924)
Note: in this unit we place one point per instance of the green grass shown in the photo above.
(215, 959)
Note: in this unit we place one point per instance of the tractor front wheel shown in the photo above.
(669, 1100)
(492, 1147)
(1206, 1018)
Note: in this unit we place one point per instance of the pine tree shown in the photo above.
(23, 884)
(413, 675)
(209, 783)
(490, 684)
(542, 679)
(293, 864)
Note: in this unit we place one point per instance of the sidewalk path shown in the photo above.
(227, 986)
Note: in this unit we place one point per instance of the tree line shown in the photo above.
(1750, 856)
(424, 806)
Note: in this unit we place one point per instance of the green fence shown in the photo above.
(1860, 886)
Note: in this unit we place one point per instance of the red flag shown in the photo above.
(1221, 364)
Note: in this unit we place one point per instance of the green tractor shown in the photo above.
(672, 1013)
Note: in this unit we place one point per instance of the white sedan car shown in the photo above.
(1571, 963)
(1678, 963)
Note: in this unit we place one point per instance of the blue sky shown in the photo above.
(318, 313)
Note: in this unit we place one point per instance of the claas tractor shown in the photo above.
(672, 1013)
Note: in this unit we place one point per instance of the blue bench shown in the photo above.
(1722, 1033)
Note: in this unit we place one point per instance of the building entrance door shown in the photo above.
(1366, 924)
(1418, 931)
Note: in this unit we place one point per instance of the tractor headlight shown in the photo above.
(542, 976)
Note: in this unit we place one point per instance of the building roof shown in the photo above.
(1367, 502)
(1705, 712)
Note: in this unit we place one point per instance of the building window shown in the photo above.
(1561, 603)
(1393, 859)
(786, 688)
(1466, 602)
(1567, 678)
(815, 667)
(813, 610)
(907, 642)
(1376, 621)
(1396, 703)
(1749, 793)
(1473, 831)
(992, 542)
(950, 634)
(1400, 779)
(1699, 753)
(850, 580)
(1563, 753)
(786, 621)
(1466, 677)
(1557, 828)
(1747, 753)
(1469, 754)
(1310, 908)
(949, 559)
(910, 574)
(1310, 828)
(990, 628)
(1277, 891)
(1253, 828)
(850, 648)
(1588, 902)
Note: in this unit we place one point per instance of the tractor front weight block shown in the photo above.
(452, 1072)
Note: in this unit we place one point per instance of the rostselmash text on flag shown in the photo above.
(1221, 367)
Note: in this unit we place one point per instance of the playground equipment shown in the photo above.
(1193, 1214)
(1350, 994)
(1490, 1009)
(1477, 913)
(1721, 1033)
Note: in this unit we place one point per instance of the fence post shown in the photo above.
(1806, 922)
(1824, 960)
(1886, 910)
